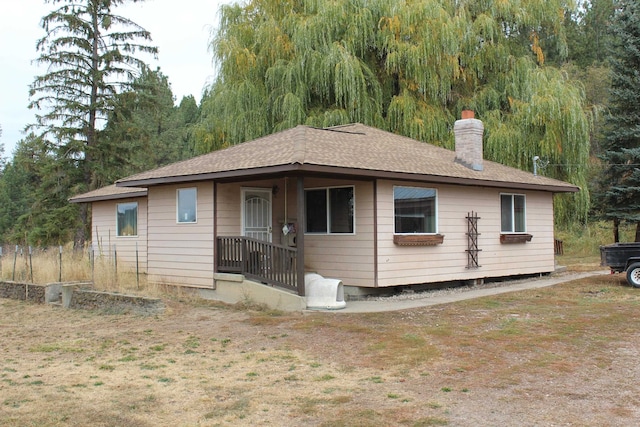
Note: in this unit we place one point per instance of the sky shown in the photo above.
(180, 29)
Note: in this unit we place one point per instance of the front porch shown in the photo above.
(259, 260)
(255, 254)
(245, 265)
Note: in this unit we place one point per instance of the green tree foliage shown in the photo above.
(1, 152)
(145, 130)
(409, 67)
(189, 116)
(620, 195)
(588, 32)
(588, 39)
(90, 54)
(34, 189)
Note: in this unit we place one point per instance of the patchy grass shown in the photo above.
(582, 243)
(559, 355)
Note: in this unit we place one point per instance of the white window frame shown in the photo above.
(328, 218)
(195, 208)
(117, 222)
(437, 225)
(513, 214)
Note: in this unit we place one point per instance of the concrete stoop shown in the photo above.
(322, 293)
(235, 288)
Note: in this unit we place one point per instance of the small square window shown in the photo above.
(512, 213)
(127, 219)
(187, 199)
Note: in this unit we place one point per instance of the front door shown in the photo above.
(256, 213)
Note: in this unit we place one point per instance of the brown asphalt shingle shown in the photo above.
(109, 192)
(356, 149)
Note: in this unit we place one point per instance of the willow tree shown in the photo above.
(408, 66)
(90, 53)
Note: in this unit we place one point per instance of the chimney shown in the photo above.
(468, 135)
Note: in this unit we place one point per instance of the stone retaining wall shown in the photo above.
(23, 291)
(72, 295)
(114, 302)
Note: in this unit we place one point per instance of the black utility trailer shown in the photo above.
(623, 257)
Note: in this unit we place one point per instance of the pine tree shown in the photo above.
(34, 189)
(145, 129)
(90, 54)
(620, 197)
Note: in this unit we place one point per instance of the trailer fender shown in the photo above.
(630, 262)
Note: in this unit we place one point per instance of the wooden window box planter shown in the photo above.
(418, 240)
(515, 238)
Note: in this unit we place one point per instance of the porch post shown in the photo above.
(215, 231)
(300, 237)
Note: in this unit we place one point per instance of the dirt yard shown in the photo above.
(560, 356)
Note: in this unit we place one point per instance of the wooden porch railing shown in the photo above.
(259, 260)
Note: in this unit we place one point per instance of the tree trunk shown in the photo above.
(616, 230)
(637, 232)
(80, 237)
(90, 144)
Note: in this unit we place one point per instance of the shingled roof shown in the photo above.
(110, 192)
(350, 150)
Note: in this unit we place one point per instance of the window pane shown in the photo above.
(187, 198)
(506, 209)
(519, 214)
(415, 210)
(341, 205)
(127, 219)
(316, 210)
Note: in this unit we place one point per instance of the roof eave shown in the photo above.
(337, 170)
(148, 182)
(91, 199)
(405, 176)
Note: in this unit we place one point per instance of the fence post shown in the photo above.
(15, 259)
(60, 258)
(31, 263)
(92, 262)
(115, 263)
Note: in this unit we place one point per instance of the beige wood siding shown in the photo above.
(229, 201)
(348, 257)
(104, 239)
(345, 257)
(401, 265)
(180, 253)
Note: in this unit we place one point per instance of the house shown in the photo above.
(368, 207)
(118, 222)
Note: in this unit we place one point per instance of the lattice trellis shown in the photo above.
(472, 238)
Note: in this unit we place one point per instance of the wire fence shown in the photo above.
(105, 268)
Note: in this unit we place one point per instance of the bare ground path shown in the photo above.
(446, 296)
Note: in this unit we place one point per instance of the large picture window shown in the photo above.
(415, 210)
(513, 213)
(329, 210)
(127, 219)
(187, 200)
